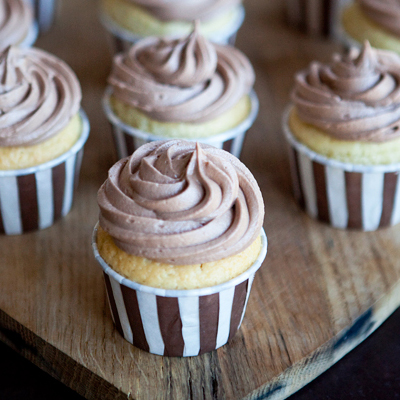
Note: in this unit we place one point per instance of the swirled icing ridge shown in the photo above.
(183, 80)
(39, 94)
(385, 13)
(356, 97)
(181, 203)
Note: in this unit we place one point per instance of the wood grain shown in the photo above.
(319, 293)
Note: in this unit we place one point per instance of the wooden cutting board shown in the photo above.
(319, 293)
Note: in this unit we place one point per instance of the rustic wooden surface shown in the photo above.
(319, 293)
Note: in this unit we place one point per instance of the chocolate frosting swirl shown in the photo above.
(385, 13)
(16, 18)
(184, 10)
(39, 94)
(181, 203)
(356, 97)
(183, 80)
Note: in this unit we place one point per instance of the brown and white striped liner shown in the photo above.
(121, 39)
(315, 17)
(344, 195)
(178, 322)
(33, 198)
(127, 139)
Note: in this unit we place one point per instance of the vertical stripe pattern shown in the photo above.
(126, 143)
(356, 200)
(315, 17)
(112, 303)
(36, 200)
(208, 316)
(297, 189)
(177, 326)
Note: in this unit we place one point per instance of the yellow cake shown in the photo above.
(360, 27)
(139, 120)
(355, 152)
(177, 277)
(18, 157)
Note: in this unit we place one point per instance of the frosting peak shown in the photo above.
(357, 97)
(39, 94)
(184, 80)
(16, 18)
(182, 62)
(181, 203)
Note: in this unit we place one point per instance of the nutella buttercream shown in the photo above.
(183, 10)
(356, 97)
(39, 94)
(181, 80)
(16, 18)
(385, 13)
(181, 203)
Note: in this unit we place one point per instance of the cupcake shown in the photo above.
(187, 88)
(128, 21)
(42, 132)
(316, 18)
(377, 21)
(179, 239)
(17, 26)
(344, 135)
(44, 11)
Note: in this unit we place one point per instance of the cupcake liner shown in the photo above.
(315, 17)
(342, 194)
(127, 139)
(180, 323)
(44, 11)
(34, 198)
(121, 39)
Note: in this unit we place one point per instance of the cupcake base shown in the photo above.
(178, 323)
(34, 198)
(342, 194)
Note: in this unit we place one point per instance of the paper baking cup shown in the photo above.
(33, 198)
(342, 194)
(127, 139)
(122, 39)
(44, 11)
(315, 17)
(178, 322)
